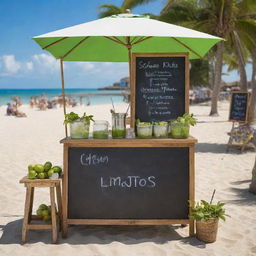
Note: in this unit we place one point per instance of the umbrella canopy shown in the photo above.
(108, 39)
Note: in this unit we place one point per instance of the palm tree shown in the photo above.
(109, 9)
(253, 183)
(225, 18)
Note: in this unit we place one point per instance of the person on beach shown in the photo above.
(12, 110)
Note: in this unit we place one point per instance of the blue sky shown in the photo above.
(23, 64)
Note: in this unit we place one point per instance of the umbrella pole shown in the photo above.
(129, 47)
(63, 93)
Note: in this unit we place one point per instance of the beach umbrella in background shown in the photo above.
(114, 38)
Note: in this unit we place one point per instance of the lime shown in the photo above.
(43, 207)
(50, 172)
(57, 169)
(45, 212)
(39, 168)
(46, 217)
(32, 174)
(31, 167)
(39, 212)
(47, 166)
(41, 175)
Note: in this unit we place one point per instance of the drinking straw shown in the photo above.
(112, 104)
(127, 109)
(213, 195)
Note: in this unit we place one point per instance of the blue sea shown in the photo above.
(25, 94)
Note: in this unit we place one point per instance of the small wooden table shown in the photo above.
(56, 217)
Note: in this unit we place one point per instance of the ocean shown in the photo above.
(26, 94)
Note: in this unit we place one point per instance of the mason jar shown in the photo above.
(79, 129)
(118, 125)
(100, 129)
(179, 130)
(144, 131)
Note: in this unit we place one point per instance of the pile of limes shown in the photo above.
(44, 211)
(40, 171)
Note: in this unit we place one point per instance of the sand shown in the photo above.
(35, 139)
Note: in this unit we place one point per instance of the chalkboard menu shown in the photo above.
(128, 183)
(161, 86)
(238, 107)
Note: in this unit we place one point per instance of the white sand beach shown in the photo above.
(35, 139)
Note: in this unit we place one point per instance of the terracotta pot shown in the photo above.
(206, 231)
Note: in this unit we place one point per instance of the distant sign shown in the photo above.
(238, 106)
(160, 88)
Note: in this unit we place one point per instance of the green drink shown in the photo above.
(100, 134)
(118, 133)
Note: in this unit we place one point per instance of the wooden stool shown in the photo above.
(56, 217)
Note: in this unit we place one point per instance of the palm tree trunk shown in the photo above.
(241, 63)
(217, 79)
(252, 188)
(252, 103)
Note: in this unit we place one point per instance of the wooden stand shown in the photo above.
(232, 143)
(56, 217)
(70, 144)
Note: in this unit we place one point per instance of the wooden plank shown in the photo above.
(59, 200)
(26, 214)
(38, 226)
(187, 82)
(133, 88)
(53, 215)
(125, 222)
(130, 142)
(65, 192)
(31, 204)
(191, 186)
(35, 182)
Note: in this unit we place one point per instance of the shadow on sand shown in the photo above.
(211, 148)
(244, 196)
(99, 235)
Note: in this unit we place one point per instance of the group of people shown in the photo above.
(43, 103)
(12, 108)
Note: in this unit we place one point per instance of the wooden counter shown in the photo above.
(128, 182)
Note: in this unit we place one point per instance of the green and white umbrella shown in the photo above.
(115, 38)
(108, 39)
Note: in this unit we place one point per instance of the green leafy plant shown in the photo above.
(142, 123)
(204, 211)
(87, 119)
(72, 117)
(161, 123)
(187, 119)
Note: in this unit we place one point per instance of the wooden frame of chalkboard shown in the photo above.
(231, 118)
(127, 143)
(182, 93)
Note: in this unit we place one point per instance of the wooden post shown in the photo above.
(63, 93)
(129, 47)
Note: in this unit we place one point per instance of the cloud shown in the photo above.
(9, 65)
(45, 63)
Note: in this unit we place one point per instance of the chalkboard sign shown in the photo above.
(238, 106)
(161, 86)
(128, 183)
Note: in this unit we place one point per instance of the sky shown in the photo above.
(23, 64)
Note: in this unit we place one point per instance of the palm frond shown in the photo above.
(108, 10)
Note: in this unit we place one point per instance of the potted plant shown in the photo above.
(207, 216)
(79, 126)
(144, 129)
(160, 129)
(180, 126)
